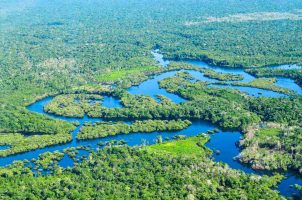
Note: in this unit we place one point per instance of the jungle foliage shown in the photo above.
(109, 129)
(137, 173)
(86, 41)
(89, 43)
(273, 147)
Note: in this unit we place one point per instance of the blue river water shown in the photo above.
(281, 81)
(4, 147)
(160, 58)
(150, 88)
(246, 77)
(223, 141)
(111, 102)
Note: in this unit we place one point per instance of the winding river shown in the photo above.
(224, 141)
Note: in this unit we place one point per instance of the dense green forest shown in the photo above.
(91, 49)
(272, 147)
(266, 83)
(138, 173)
(295, 74)
(109, 129)
(87, 39)
(228, 108)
